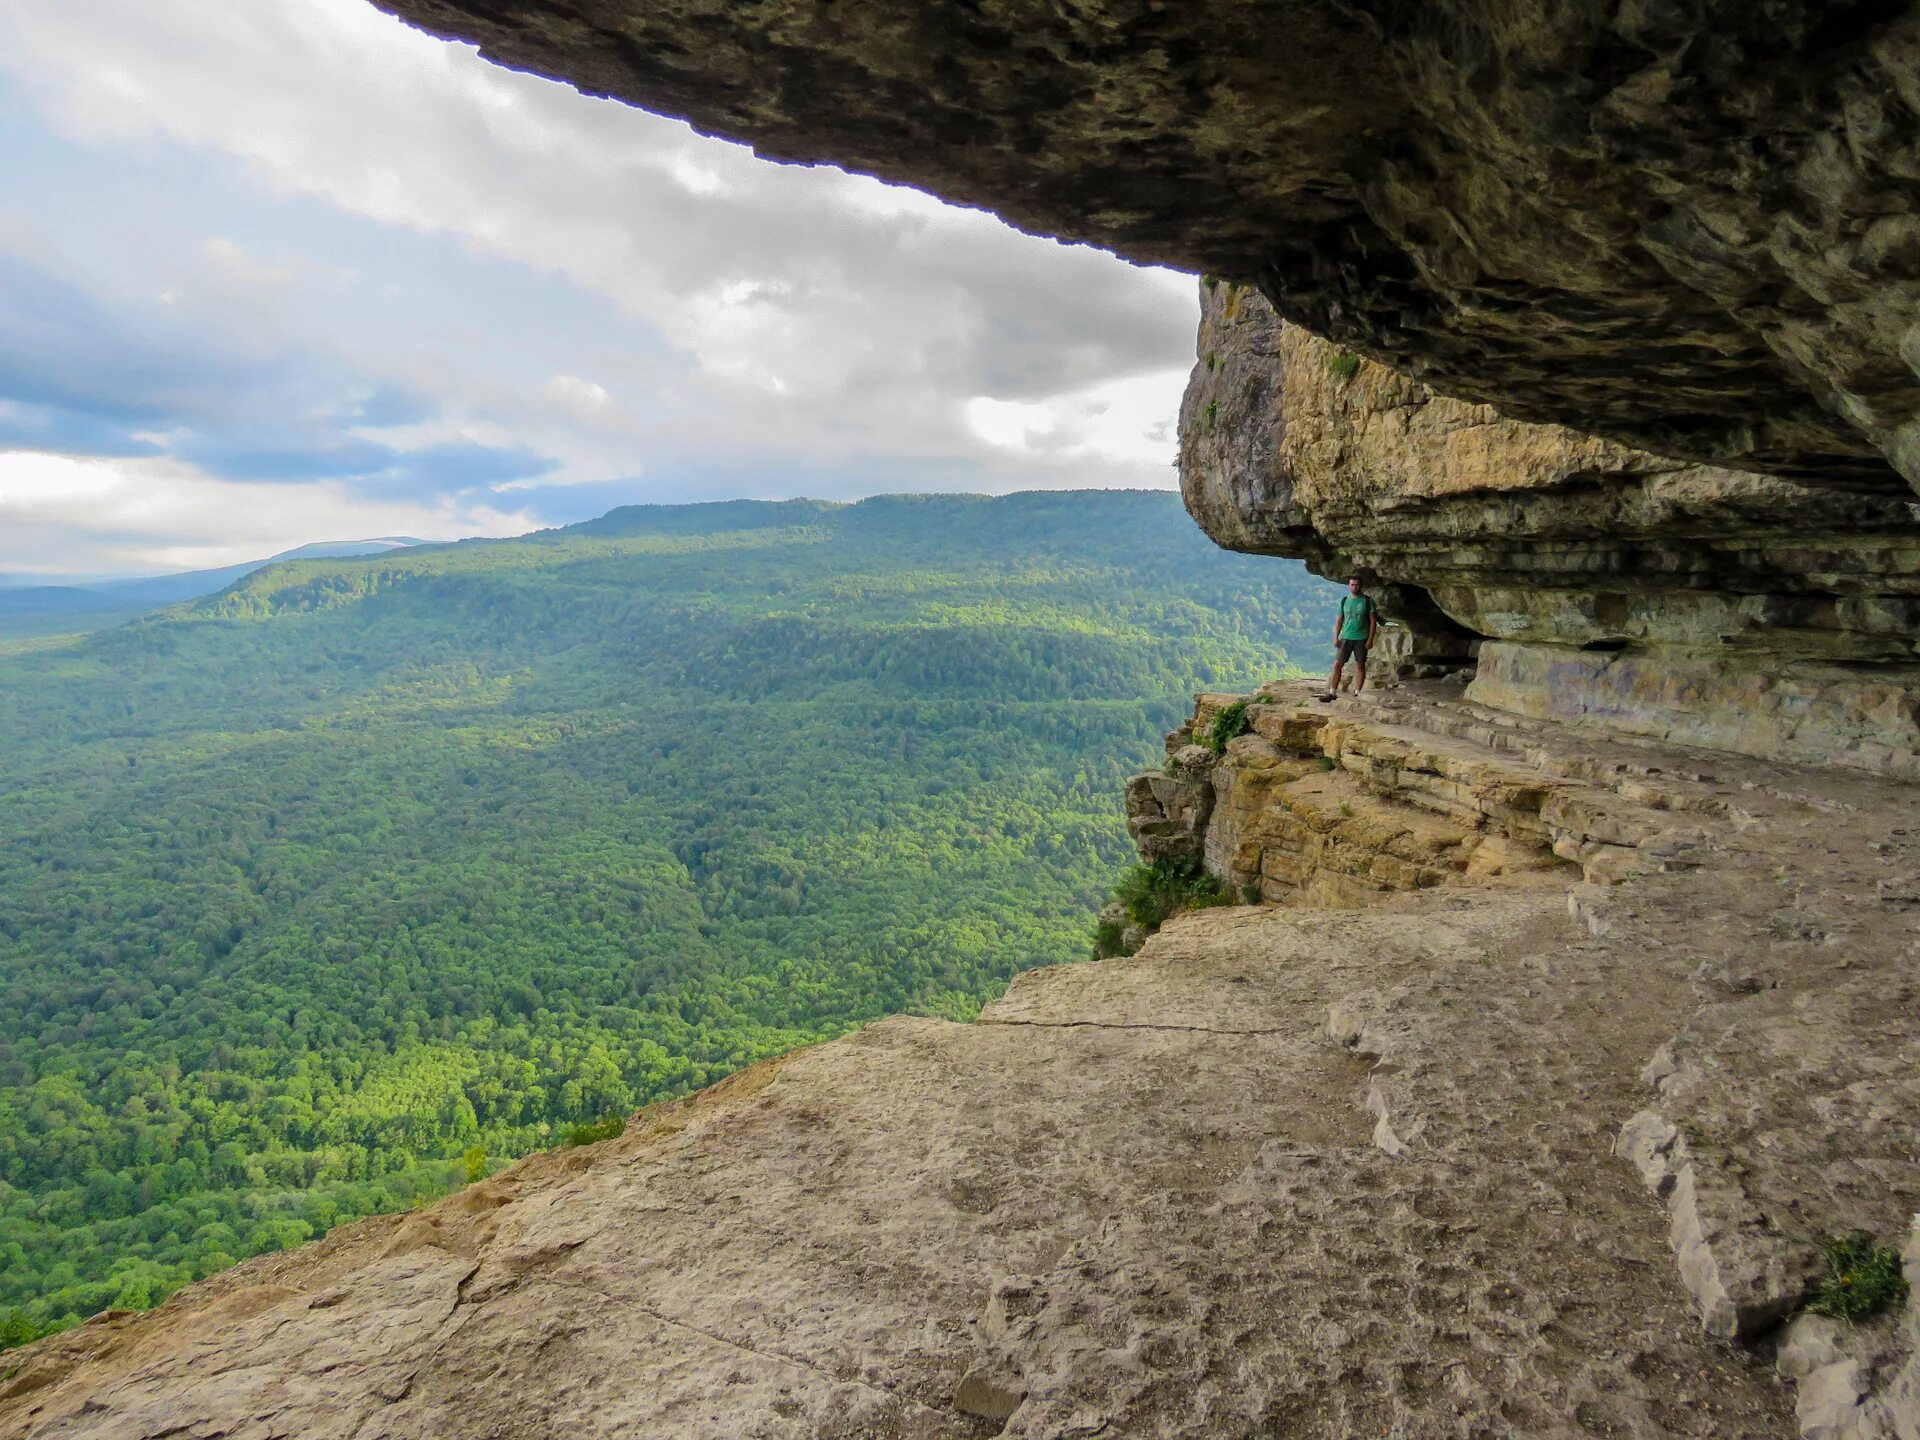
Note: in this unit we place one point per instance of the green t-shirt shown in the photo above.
(1356, 612)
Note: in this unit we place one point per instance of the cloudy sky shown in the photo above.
(286, 270)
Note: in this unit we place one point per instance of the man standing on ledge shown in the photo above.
(1352, 634)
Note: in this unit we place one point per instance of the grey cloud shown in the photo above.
(82, 377)
(64, 351)
(892, 312)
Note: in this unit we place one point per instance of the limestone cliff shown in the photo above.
(1523, 1103)
(1589, 581)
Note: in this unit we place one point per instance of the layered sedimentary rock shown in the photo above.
(1342, 809)
(1586, 580)
(1690, 224)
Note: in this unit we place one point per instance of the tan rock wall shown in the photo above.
(1312, 808)
(1727, 609)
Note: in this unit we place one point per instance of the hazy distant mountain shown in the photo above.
(33, 605)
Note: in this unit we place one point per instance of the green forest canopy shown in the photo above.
(330, 890)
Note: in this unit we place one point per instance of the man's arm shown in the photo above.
(1373, 621)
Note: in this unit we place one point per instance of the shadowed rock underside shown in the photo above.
(1692, 225)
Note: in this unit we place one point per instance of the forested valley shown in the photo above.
(342, 887)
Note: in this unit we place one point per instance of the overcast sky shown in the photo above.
(287, 270)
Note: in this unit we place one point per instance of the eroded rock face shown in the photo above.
(1344, 807)
(1590, 581)
(1689, 224)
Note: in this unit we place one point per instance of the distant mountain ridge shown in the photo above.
(32, 605)
(360, 875)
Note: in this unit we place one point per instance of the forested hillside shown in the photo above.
(327, 892)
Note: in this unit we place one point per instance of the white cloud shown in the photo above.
(808, 316)
(1121, 423)
(1010, 424)
(185, 519)
(582, 399)
(51, 484)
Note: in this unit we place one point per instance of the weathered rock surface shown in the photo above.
(1578, 579)
(1342, 807)
(1688, 224)
(1288, 1170)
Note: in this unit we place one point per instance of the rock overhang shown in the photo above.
(1573, 578)
(1689, 225)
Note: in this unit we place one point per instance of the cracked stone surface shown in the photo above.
(1287, 1170)
(1687, 224)
(1138, 1197)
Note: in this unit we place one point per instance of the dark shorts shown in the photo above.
(1354, 650)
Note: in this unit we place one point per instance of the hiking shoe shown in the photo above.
(1324, 699)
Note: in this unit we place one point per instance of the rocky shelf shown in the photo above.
(1542, 1147)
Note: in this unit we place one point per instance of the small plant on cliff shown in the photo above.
(1153, 892)
(1108, 939)
(605, 1128)
(1209, 281)
(1344, 366)
(1213, 413)
(17, 1329)
(1862, 1278)
(1230, 724)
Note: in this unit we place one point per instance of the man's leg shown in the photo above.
(1333, 680)
(1359, 672)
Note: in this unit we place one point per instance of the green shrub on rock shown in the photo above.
(604, 1128)
(1862, 1278)
(1230, 724)
(1153, 892)
(1108, 939)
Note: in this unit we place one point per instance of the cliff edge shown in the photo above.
(1432, 1147)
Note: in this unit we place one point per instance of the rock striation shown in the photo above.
(1317, 808)
(1574, 578)
(1687, 224)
